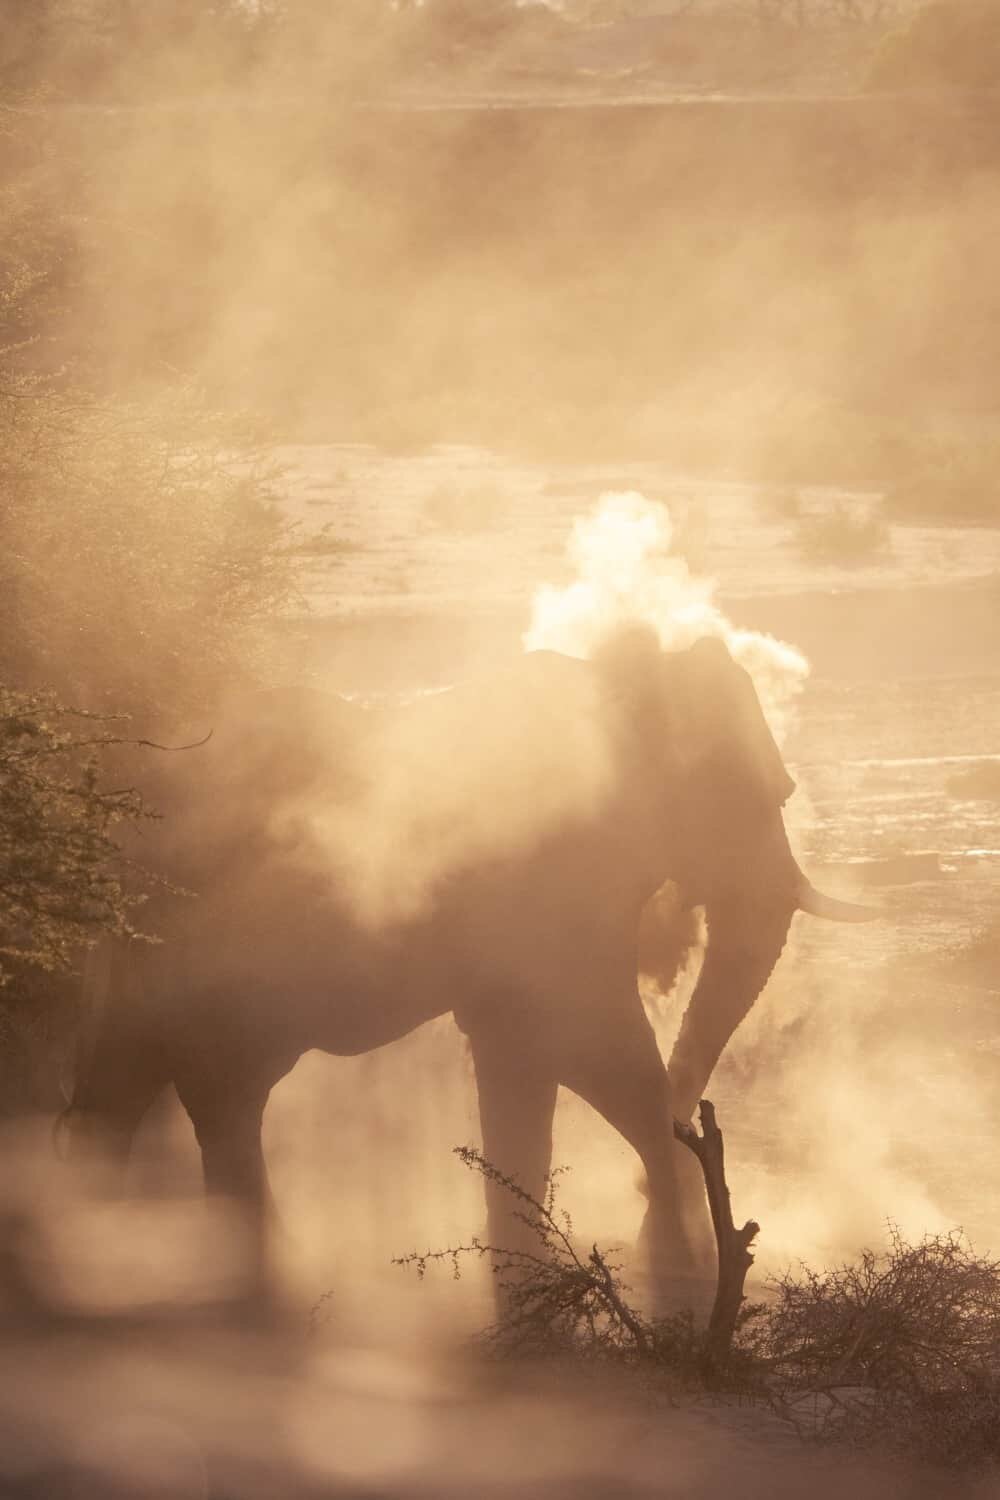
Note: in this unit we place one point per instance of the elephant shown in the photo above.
(513, 851)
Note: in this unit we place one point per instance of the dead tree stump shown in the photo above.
(733, 1244)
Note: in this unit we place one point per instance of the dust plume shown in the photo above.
(377, 807)
(450, 781)
(626, 572)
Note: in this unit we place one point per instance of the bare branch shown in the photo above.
(733, 1244)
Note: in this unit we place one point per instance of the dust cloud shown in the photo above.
(470, 776)
(792, 295)
(626, 573)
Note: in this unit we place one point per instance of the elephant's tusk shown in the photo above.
(831, 907)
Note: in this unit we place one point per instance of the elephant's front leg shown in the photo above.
(517, 1100)
(621, 1074)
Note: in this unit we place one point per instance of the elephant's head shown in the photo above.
(716, 787)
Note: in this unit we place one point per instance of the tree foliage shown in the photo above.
(59, 878)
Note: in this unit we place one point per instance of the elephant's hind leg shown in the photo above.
(228, 1130)
(517, 1101)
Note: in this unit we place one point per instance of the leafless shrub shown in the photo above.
(559, 1299)
(900, 1350)
(844, 536)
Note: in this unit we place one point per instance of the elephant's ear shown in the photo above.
(738, 749)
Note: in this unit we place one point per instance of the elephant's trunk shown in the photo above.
(743, 947)
(747, 928)
(749, 907)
